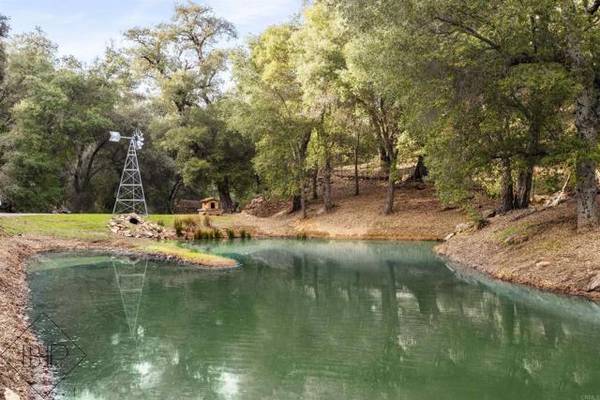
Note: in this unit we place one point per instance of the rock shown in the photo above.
(261, 207)
(594, 283)
(132, 225)
(556, 199)
(449, 236)
(10, 395)
(463, 227)
(517, 238)
(543, 264)
(491, 213)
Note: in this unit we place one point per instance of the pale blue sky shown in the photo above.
(83, 28)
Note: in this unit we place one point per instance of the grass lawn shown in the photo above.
(78, 226)
(94, 227)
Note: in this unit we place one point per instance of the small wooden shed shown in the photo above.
(210, 205)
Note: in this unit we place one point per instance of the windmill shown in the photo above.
(130, 197)
(130, 276)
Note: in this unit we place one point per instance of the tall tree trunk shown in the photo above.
(296, 203)
(225, 196)
(587, 105)
(524, 185)
(420, 171)
(389, 202)
(356, 181)
(525, 179)
(173, 193)
(588, 213)
(303, 201)
(327, 202)
(507, 194)
(384, 159)
(315, 181)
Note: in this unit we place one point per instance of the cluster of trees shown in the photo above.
(483, 93)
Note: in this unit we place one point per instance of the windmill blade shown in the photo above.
(114, 136)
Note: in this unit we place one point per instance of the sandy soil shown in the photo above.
(418, 215)
(540, 249)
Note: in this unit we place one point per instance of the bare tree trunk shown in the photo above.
(296, 203)
(586, 106)
(314, 178)
(173, 194)
(389, 203)
(327, 202)
(420, 171)
(524, 185)
(384, 159)
(507, 195)
(225, 197)
(303, 201)
(588, 213)
(356, 182)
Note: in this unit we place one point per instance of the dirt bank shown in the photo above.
(540, 249)
(418, 215)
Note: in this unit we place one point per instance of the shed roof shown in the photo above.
(206, 200)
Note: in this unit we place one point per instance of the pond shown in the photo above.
(313, 320)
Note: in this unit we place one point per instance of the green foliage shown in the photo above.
(179, 227)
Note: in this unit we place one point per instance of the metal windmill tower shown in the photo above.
(130, 197)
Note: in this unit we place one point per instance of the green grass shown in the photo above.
(77, 226)
(187, 254)
(504, 234)
(94, 227)
(71, 226)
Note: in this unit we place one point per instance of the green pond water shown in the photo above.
(313, 320)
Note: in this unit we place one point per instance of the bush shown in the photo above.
(206, 221)
(230, 234)
(178, 226)
(160, 222)
(199, 234)
(190, 222)
(216, 234)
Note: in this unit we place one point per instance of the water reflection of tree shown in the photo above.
(320, 327)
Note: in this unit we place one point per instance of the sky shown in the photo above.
(83, 28)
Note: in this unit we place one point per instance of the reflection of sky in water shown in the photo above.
(315, 319)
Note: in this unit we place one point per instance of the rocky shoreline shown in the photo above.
(540, 249)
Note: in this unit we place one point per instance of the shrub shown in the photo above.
(216, 234)
(230, 234)
(245, 234)
(199, 234)
(160, 222)
(178, 226)
(190, 222)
